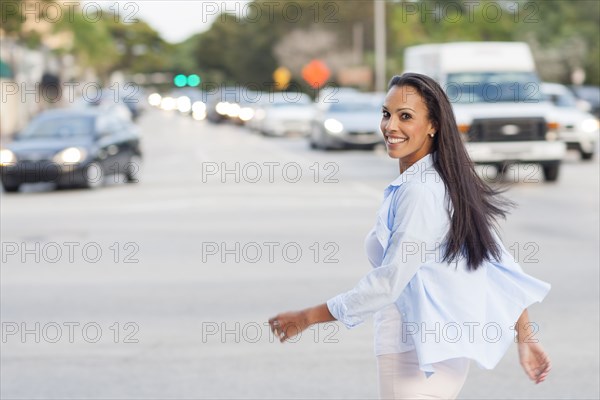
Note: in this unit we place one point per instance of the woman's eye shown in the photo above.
(405, 116)
(385, 114)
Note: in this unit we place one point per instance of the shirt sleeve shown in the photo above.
(415, 236)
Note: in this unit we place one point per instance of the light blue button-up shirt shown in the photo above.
(447, 311)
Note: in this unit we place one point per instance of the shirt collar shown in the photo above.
(417, 170)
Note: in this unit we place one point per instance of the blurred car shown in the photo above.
(590, 95)
(351, 120)
(107, 102)
(243, 110)
(189, 101)
(283, 113)
(134, 99)
(578, 129)
(223, 105)
(72, 147)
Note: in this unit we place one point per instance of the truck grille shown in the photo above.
(507, 129)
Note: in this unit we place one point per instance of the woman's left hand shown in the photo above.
(534, 361)
(289, 324)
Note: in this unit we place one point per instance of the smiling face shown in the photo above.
(406, 126)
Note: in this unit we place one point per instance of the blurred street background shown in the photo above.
(176, 173)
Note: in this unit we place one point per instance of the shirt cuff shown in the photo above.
(339, 310)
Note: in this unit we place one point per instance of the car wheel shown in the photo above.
(315, 138)
(93, 176)
(502, 171)
(133, 169)
(551, 172)
(586, 155)
(11, 187)
(312, 139)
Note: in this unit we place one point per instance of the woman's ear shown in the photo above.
(434, 127)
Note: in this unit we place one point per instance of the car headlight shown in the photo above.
(198, 107)
(168, 103)
(154, 99)
(70, 155)
(333, 125)
(551, 136)
(234, 110)
(199, 115)
(590, 125)
(246, 114)
(222, 107)
(7, 157)
(184, 104)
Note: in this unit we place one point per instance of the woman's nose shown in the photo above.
(390, 125)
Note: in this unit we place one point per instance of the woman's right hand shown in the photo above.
(534, 361)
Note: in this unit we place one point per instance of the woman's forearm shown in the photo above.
(319, 314)
(523, 327)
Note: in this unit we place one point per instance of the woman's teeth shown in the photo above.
(392, 140)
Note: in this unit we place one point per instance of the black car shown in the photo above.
(72, 147)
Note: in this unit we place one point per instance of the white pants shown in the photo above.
(401, 378)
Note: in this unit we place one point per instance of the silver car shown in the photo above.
(577, 128)
(348, 121)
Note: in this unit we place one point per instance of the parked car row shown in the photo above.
(78, 146)
(344, 117)
(524, 121)
(339, 118)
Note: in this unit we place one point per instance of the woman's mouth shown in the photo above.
(395, 140)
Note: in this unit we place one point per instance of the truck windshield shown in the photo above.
(493, 87)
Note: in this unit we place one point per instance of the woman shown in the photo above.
(443, 289)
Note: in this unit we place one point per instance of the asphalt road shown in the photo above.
(162, 289)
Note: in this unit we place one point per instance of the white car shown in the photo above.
(577, 128)
(284, 113)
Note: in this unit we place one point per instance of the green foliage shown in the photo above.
(109, 44)
(241, 50)
(563, 34)
(571, 29)
(550, 26)
(92, 43)
(140, 48)
(11, 16)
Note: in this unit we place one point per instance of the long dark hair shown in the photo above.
(476, 206)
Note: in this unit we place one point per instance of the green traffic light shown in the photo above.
(193, 80)
(180, 80)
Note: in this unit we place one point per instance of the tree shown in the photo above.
(91, 42)
(140, 48)
(563, 35)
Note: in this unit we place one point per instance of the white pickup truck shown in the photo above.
(495, 93)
